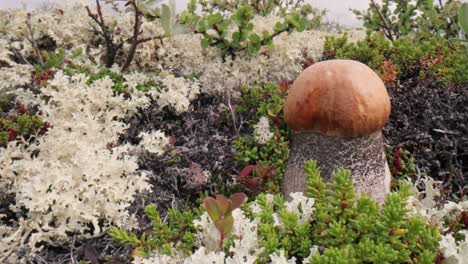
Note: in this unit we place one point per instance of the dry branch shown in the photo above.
(113, 48)
(32, 40)
(387, 28)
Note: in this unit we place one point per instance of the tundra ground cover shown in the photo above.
(198, 111)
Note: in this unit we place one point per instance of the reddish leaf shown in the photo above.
(389, 72)
(308, 62)
(45, 127)
(277, 121)
(284, 86)
(11, 134)
(20, 109)
(137, 253)
(397, 166)
(246, 170)
(224, 204)
(212, 208)
(439, 259)
(252, 183)
(464, 218)
(237, 200)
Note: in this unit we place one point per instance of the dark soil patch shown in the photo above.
(201, 141)
(101, 249)
(431, 121)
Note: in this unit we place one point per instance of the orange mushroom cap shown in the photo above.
(338, 98)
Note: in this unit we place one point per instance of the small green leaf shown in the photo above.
(205, 42)
(236, 36)
(270, 45)
(221, 45)
(201, 27)
(225, 225)
(214, 19)
(243, 36)
(223, 26)
(254, 38)
(280, 26)
(293, 21)
(250, 27)
(274, 109)
(250, 50)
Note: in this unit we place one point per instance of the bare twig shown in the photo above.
(32, 40)
(40, 259)
(111, 47)
(19, 55)
(72, 248)
(448, 132)
(136, 33)
(257, 6)
(233, 113)
(107, 34)
(387, 28)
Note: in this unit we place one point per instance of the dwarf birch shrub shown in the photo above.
(434, 57)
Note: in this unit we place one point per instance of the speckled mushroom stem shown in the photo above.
(364, 156)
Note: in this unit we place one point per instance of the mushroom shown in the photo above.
(337, 109)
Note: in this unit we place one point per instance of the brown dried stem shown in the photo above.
(113, 48)
(33, 42)
(136, 33)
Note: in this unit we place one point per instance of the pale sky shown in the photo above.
(338, 9)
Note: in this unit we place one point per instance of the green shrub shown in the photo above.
(314, 17)
(243, 39)
(263, 101)
(177, 233)
(24, 125)
(342, 227)
(371, 51)
(215, 18)
(434, 58)
(53, 60)
(422, 19)
(16, 121)
(357, 227)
